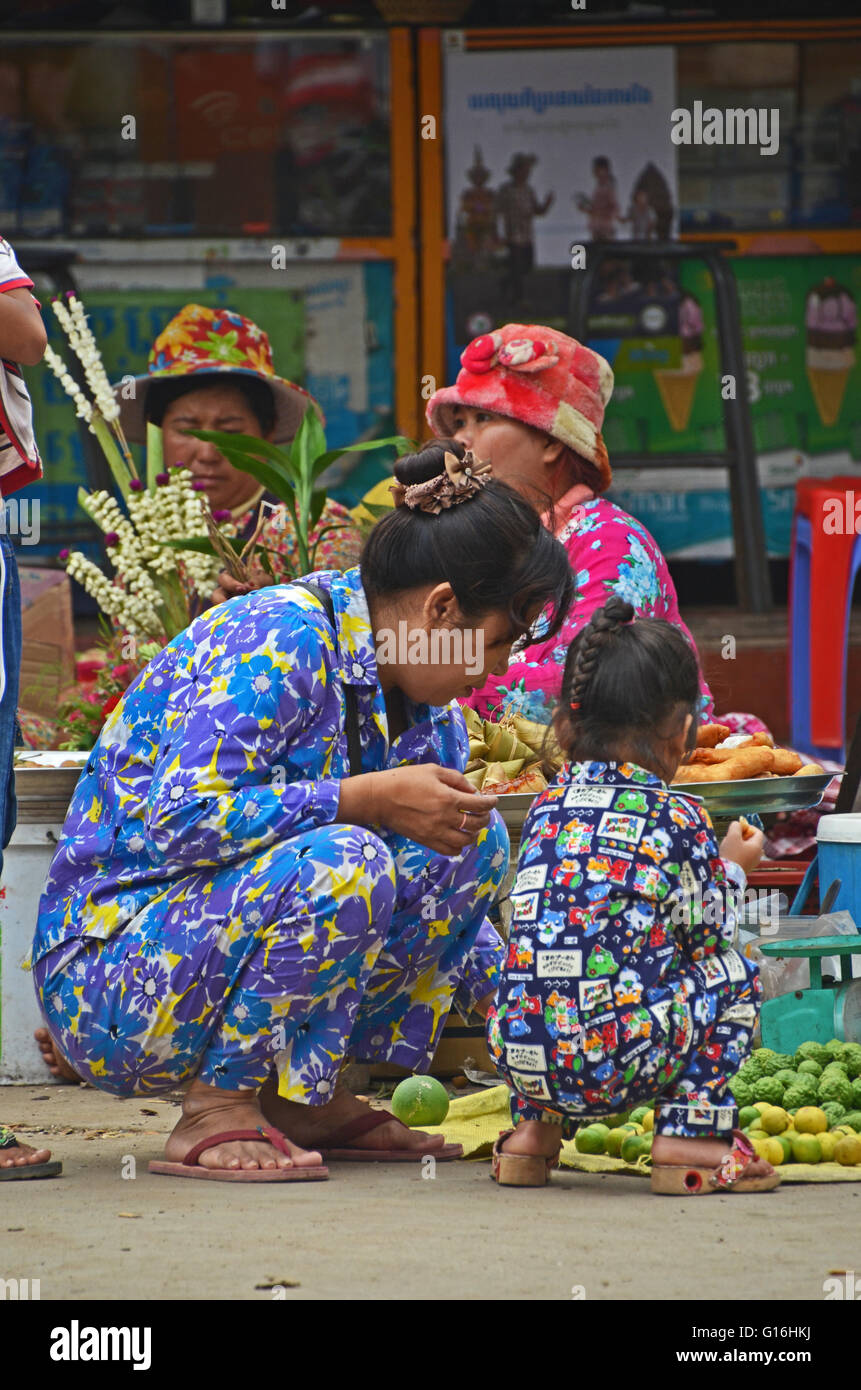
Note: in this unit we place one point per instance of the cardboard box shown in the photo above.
(48, 657)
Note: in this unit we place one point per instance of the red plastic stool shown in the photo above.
(825, 610)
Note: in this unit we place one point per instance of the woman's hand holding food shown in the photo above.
(743, 845)
(436, 806)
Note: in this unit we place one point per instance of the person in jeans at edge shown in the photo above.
(22, 340)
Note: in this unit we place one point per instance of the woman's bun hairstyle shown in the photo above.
(491, 548)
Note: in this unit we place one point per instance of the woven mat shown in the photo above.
(475, 1122)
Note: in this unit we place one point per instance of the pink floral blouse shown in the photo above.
(610, 553)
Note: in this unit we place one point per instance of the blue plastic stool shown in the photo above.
(799, 639)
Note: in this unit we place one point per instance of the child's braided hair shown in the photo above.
(627, 683)
(600, 628)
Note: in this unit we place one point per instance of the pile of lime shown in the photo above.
(804, 1108)
(627, 1136)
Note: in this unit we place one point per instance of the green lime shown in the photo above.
(786, 1145)
(635, 1144)
(806, 1149)
(614, 1140)
(590, 1140)
(420, 1100)
(748, 1115)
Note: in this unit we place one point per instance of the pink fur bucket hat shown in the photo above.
(538, 376)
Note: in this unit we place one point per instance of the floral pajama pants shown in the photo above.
(337, 941)
(710, 1026)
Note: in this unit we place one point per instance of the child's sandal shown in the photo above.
(678, 1180)
(519, 1170)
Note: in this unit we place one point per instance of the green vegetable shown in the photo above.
(856, 1093)
(812, 1051)
(853, 1118)
(769, 1089)
(794, 1097)
(835, 1088)
(834, 1048)
(809, 1067)
(786, 1076)
(742, 1091)
(852, 1059)
(835, 1113)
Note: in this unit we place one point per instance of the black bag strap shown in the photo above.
(354, 740)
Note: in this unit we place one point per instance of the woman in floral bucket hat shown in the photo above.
(212, 369)
(532, 401)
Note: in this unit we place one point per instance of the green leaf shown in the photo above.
(278, 484)
(263, 556)
(248, 443)
(318, 502)
(264, 461)
(396, 441)
(375, 509)
(335, 526)
(120, 469)
(154, 453)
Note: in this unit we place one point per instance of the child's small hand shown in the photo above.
(743, 845)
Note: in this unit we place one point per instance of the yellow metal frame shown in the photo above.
(434, 244)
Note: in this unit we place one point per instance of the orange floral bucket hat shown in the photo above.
(206, 342)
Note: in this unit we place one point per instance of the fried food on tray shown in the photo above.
(745, 762)
(710, 735)
(786, 763)
(708, 756)
(810, 770)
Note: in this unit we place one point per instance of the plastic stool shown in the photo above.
(823, 567)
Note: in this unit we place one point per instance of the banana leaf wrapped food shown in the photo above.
(509, 756)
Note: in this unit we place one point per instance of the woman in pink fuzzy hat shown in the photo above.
(532, 400)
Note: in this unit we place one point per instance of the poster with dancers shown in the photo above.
(562, 147)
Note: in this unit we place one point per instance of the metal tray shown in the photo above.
(757, 795)
(750, 795)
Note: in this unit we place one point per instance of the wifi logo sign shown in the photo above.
(217, 108)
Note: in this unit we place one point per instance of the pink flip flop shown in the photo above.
(190, 1167)
(336, 1148)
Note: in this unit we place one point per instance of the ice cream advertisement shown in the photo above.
(830, 322)
(803, 379)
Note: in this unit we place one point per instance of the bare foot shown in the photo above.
(53, 1057)
(533, 1137)
(208, 1111)
(316, 1124)
(21, 1155)
(702, 1153)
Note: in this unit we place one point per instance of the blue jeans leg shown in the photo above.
(10, 668)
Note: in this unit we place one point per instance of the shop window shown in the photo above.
(176, 137)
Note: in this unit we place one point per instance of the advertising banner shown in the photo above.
(545, 149)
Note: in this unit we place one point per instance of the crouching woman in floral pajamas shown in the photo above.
(228, 904)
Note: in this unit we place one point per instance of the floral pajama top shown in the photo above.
(232, 738)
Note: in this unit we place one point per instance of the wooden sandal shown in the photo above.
(680, 1180)
(519, 1170)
